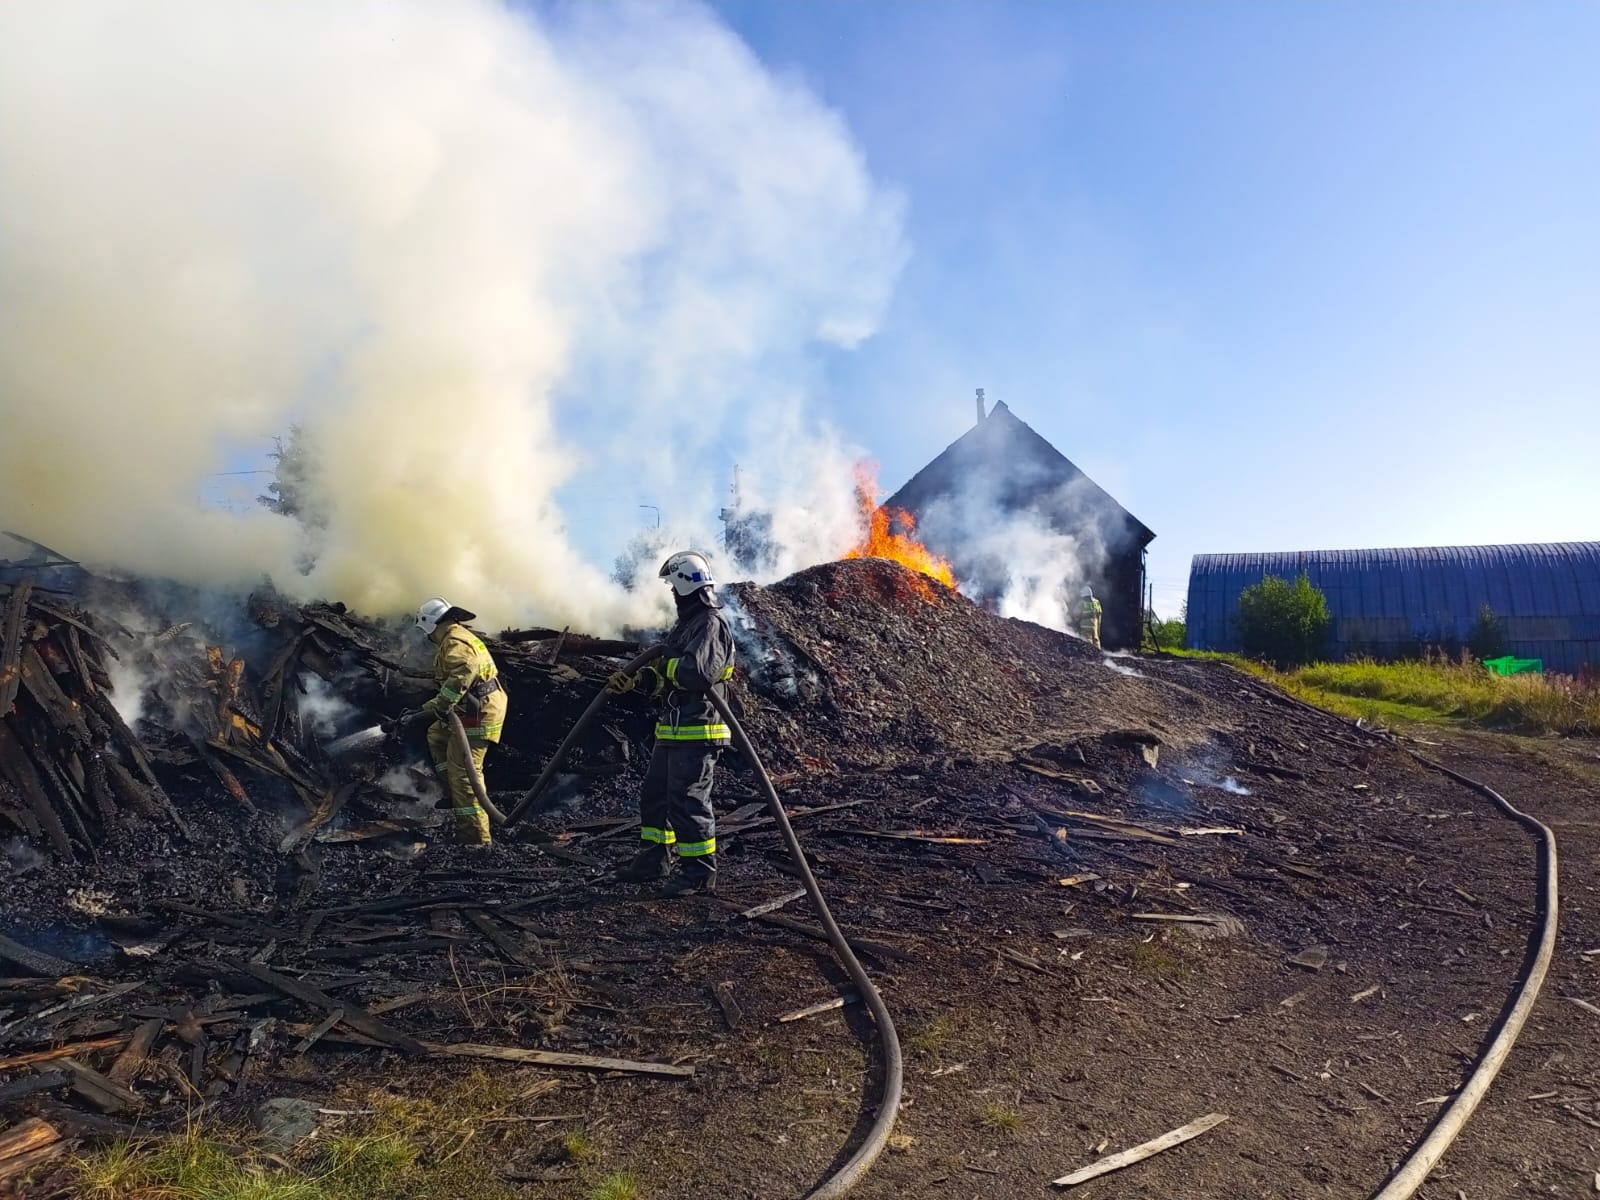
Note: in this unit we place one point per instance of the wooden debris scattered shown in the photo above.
(1313, 958)
(812, 1010)
(731, 1012)
(1585, 1005)
(319, 1031)
(860, 945)
(136, 1052)
(549, 1058)
(910, 835)
(32, 960)
(773, 904)
(39, 1056)
(26, 1145)
(354, 1016)
(105, 1094)
(1144, 1150)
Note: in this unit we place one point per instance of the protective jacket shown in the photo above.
(469, 682)
(698, 660)
(1087, 619)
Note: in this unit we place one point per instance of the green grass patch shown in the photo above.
(1154, 961)
(618, 1186)
(933, 1034)
(1438, 691)
(1001, 1118)
(436, 1145)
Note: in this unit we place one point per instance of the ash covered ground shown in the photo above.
(1104, 895)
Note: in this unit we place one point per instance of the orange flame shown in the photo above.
(881, 541)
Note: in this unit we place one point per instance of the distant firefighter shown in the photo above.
(469, 684)
(1086, 617)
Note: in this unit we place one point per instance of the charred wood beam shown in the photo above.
(101, 705)
(46, 965)
(16, 766)
(274, 681)
(11, 644)
(355, 1017)
(41, 685)
(80, 663)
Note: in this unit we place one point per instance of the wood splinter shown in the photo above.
(1144, 1150)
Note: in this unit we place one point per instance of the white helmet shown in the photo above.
(432, 611)
(688, 572)
(1087, 593)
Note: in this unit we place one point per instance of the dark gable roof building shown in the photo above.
(1006, 507)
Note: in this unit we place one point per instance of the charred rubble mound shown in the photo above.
(153, 725)
(865, 664)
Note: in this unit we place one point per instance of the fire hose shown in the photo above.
(1413, 1171)
(841, 1182)
(458, 735)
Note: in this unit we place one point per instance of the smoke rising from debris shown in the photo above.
(1010, 553)
(473, 253)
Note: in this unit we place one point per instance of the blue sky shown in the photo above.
(1278, 276)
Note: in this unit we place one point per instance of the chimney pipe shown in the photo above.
(980, 406)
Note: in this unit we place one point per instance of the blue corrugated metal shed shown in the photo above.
(1384, 602)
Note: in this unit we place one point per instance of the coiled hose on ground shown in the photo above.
(841, 1182)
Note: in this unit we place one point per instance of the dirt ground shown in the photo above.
(1048, 1015)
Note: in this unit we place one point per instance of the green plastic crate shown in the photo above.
(1515, 666)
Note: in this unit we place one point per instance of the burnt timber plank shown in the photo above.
(40, 964)
(11, 645)
(137, 1050)
(502, 941)
(355, 1016)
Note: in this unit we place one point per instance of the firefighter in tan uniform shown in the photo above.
(469, 684)
(1086, 617)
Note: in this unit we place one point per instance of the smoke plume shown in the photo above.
(1015, 555)
(474, 253)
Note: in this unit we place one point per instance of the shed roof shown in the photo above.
(1549, 593)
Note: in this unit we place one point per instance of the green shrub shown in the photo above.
(1283, 623)
(1164, 635)
(1488, 637)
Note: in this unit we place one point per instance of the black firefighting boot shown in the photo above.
(694, 875)
(650, 863)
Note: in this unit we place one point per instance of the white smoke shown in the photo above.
(322, 708)
(473, 251)
(1016, 557)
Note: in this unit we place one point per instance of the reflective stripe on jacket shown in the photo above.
(698, 660)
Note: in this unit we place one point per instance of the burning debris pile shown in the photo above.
(69, 764)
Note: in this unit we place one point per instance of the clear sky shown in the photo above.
(1278, 276)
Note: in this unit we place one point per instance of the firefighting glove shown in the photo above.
(649, 681)
(621, 683)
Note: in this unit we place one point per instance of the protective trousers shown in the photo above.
(471, 822)
(675, 801)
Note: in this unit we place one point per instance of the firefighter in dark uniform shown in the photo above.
(675, 798)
